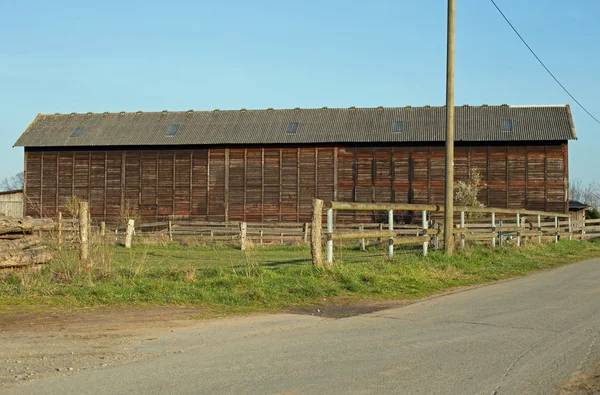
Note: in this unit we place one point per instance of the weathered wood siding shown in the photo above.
(11, 204)
(279, 183)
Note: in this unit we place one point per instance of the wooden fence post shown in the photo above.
(329, 239)
(305, 233)
(363, 246)
(261, 236)
(84, 251)
(462, 227)
(59, 230)
(103, 228)
(129, 235)
(391, 239)
(315, 233)
(539, 229)
(243, 229)
(493, 230)
(171, 231)
(425, 227)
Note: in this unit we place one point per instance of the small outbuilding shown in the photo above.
(11, 203)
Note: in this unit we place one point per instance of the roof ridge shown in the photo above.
(306, 109)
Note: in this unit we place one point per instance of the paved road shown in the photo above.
(523, 336)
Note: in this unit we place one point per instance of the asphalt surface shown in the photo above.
(525, 336)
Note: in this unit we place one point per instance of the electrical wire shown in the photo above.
(542, 63)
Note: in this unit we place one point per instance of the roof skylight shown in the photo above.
(398, 127)
(77, 131)
(173, 129)
(292, 127)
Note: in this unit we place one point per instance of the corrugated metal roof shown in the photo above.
(339, 125)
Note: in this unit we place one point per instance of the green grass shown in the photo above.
(269, 278)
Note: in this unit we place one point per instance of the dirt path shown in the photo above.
(40, 344)
(49, 343)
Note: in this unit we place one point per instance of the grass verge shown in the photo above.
(267, 278)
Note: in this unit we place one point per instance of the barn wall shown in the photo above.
(279, 183)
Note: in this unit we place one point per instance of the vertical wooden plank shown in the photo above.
(123, 179)
(487, 181)
(429, 175)
(280, 181)
(207, 182)
(262, 186)
(42, 185)
(191, 182)
(507, 179)
(335, 173)
(526, 177)
(157, 183)
(57, 179)
(25, 181)
(392, 176)
(565, 148)
(545, 178)
(140, 186)
(174, 192)
(105, 183)
(73, 179)
(298, 186)
(226, 192)
(245, 181)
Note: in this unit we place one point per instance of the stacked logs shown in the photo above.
(19, 247)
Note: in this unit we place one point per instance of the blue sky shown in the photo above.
(78, 56)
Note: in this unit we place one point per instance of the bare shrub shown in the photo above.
(467, 192)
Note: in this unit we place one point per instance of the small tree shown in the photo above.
(14, 183)
(467, 192)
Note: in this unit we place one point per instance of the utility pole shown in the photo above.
(449, 196)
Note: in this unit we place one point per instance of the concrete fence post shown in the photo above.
(518, 231)
(84, 252)
(305, 233)
(363, 246)
(425, 227)
(493, 230)
(243, 230)
(570, 229)
(59, 230)
(462, 227)
(391, 239)
(102, 228)
(171, 231)
(539, 219)
(556, 230)
(315, 233)
(129, 235)
(329, 236)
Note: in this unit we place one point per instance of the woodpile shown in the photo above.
(19, 247)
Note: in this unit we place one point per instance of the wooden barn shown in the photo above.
(268, 165)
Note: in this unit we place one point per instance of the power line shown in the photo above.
(542, 63)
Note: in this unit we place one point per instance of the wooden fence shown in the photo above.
(406, 225)
(496, 226)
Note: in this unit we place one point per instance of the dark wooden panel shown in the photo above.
(216, 195)
(253, 185)
(113, 183)
(132, 181)
(97, 183)
(65, 182)
(199, 183)
(149, 161)
(34, 183)
(517, 170)
(307, 182)
(272, 185)
(289, 184)
(236, 184)
(183, 168)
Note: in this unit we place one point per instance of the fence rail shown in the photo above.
(497, 227)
